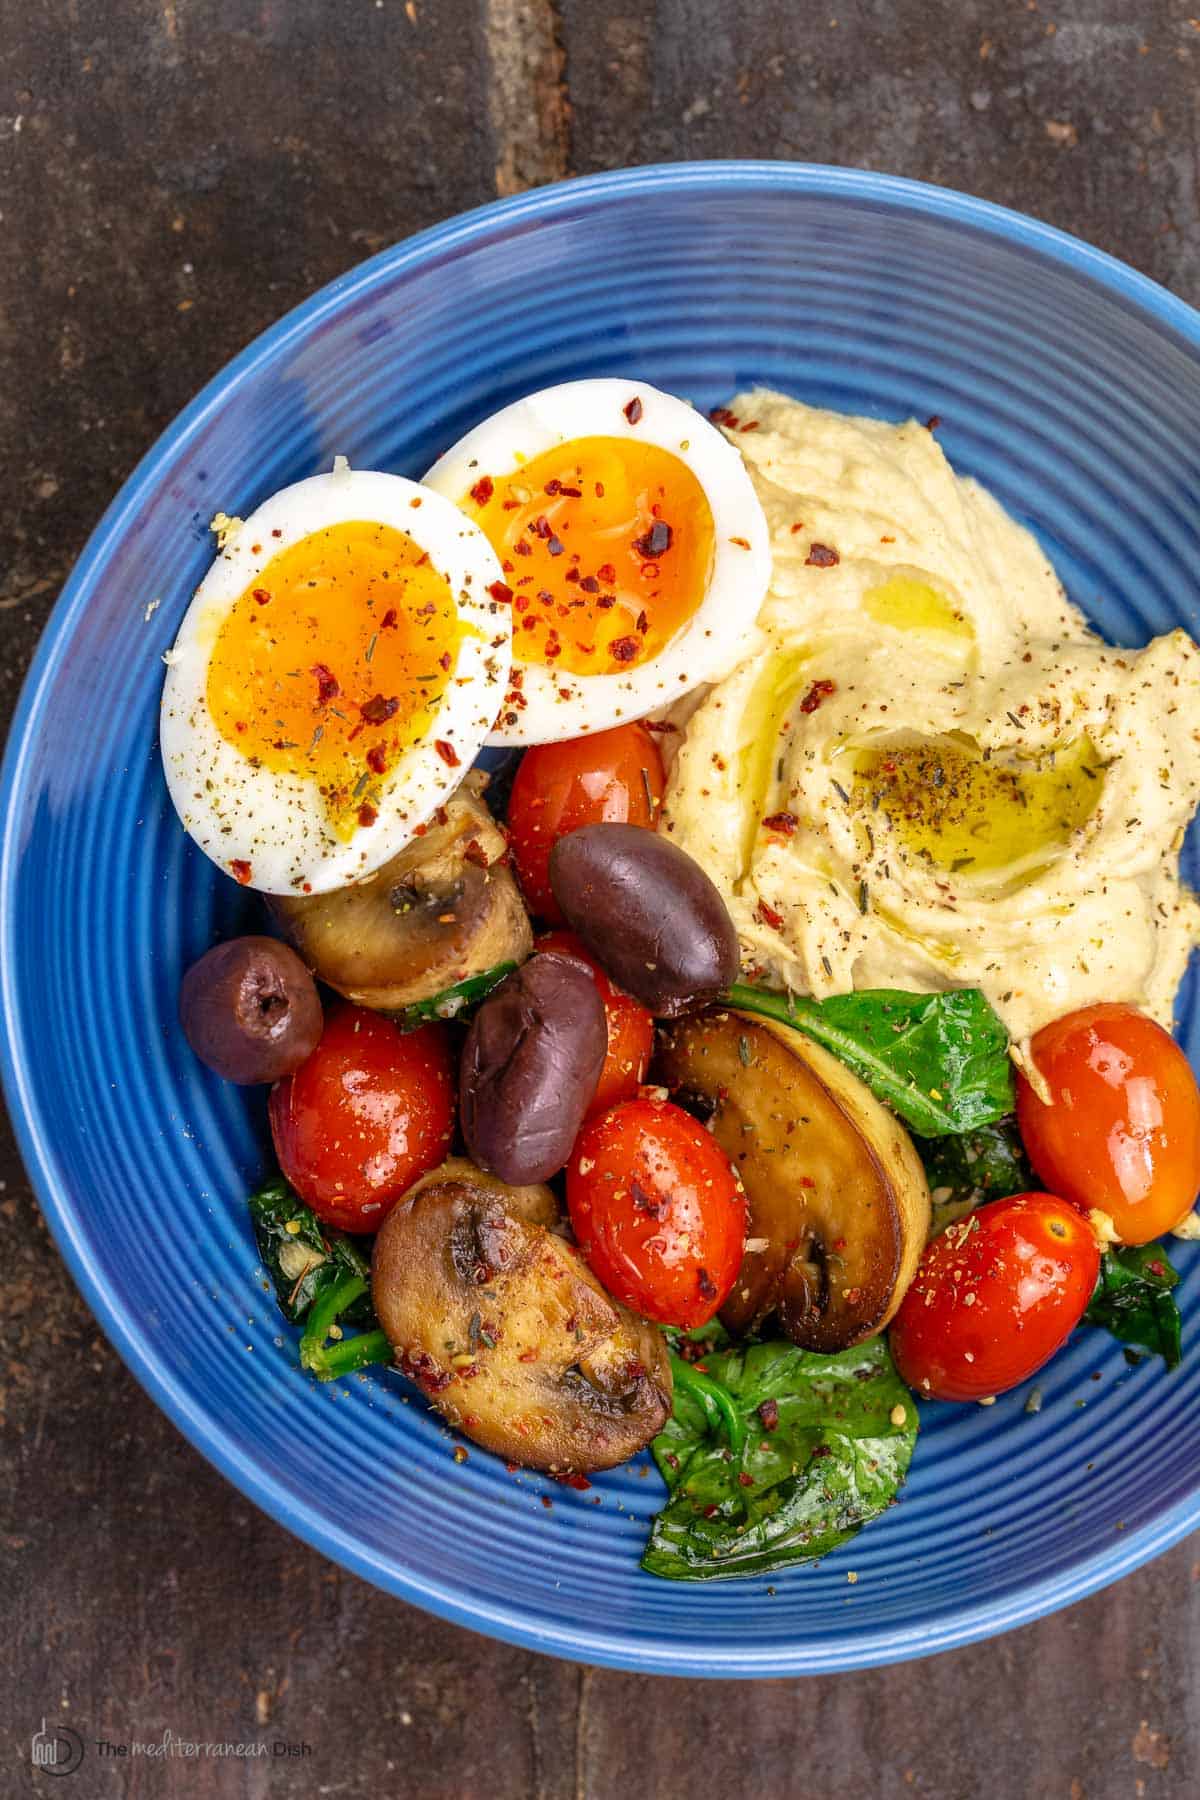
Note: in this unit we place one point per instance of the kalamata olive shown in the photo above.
(648, 913)
(530, 1066)
(250, 1010)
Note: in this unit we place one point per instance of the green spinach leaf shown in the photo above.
(322, 1281)
(1133, 1300)
(940, 1061)
(453, 1001)
(963, 1172)
(821, 1447)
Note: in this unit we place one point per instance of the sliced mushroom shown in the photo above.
(839, 1206)
(508, 1332)
(444, 909)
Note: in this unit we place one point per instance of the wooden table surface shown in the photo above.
(173, 176)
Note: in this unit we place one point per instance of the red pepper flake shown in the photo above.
(415, 501)
(643, 623)
(605, 601)
(241, 871)
(377, 759)
(933, 421)
(579, 1482)
(261, 596)
(501, 593)
(444, 661)
(606, 572)
(589, 584)
(768, 916)
(633, 411)
(706, 1284)
(378, 710)
(556, 546)
(389, 620)
(624, 649)
(521, 548)
(721, 415)
(447, 752)
(785, 822)
(475, 853)
(655, 542)
(750, 425)
(660, 725)
(570, 493)
(367, 815)
(573, 575)
(1156, 1268)
(819, 691)
(745, 1480)
(277, 534)
(542, 527)
(710, 1511)
(768, 1412)
(599, 490)
(327, 684)
(798, 526)
(822, 556)
(741, 542)
(483, 490)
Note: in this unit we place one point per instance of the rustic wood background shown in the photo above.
(173, 176)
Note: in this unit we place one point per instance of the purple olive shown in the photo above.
(530, 1066)
(250, 1010)
(648, 913)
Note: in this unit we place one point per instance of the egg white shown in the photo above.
(559, 703)
(275, 821)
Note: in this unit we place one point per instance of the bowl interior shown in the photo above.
(1069, 388)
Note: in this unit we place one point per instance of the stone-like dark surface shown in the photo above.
(172, 177)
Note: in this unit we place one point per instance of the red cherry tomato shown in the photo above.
(658, 1211)
(369, 1111)
(994, 1297)
(1122, 1130)
(630, 1027)
(615, 777)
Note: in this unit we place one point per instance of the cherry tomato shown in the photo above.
(369, 1111)
(614, 777)
(630, 1027)
(657, 1210)
(1122, 1130)
(994, 1297)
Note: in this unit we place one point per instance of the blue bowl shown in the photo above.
(1066, 382)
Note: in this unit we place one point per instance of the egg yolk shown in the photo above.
(333, 663)
(973, 814)
(607, 545)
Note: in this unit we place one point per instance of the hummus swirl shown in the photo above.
(929, 773)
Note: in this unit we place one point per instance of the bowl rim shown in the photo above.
(598, 1644)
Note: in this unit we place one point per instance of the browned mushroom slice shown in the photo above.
(839, 1206)
(508, 1332)
(444, 909)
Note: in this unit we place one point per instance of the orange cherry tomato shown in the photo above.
(370, 1111)
(994, 1297)
(614, 777)
(1122, 1129)
(630, 1027)
(657, 1210)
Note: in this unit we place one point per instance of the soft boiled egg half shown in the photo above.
(333, 679)
(632, 544)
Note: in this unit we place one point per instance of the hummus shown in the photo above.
(929, 773)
